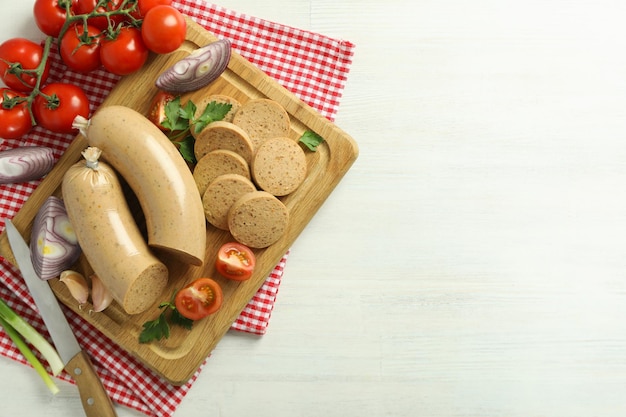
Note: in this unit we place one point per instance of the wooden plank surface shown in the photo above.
(178, 357)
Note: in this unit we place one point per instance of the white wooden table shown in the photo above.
(473, 261)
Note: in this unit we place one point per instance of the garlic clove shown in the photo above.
(101, 297)
(76, 284)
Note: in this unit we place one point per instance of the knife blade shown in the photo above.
(93, 396)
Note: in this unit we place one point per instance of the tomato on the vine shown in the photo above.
(101, 22)
(235, 261)
(163, 29)
(66, 102)
(18, 54)
(14, 119)
(199, 299)
(50, 15)
(80, 50)
(124, 54)
(156, 112)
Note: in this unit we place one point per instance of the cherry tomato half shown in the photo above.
(199, 299)
(57, 115)
(235, 261)
(156, 113)
(50, 15)
(125, 54)
(15, 120)
(80, 50)
(163, 29)
(28, 55)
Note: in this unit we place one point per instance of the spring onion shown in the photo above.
(29, 355)
(15, 326)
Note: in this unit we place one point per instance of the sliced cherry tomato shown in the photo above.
(14, 116)
(163, 29)
(25, 54)
(66, 102)
(80, 50)
(50, 15)
(235, 261)
(125, 54)
(156, 113)
(87, 6)
(199, 299)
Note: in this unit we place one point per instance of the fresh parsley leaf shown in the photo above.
(213, 112)
(155, 329)
(160, 328)
(173, 120)
(180, 320)
(311, 139)
(164, 327)
(188, 112)
(185, 147)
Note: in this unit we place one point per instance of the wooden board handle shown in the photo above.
(96, 402)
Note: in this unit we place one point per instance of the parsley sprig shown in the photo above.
(311, 140)
(159, 328)
(180, 119)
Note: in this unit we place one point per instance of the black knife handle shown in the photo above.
(96, 402)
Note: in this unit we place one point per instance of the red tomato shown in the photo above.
(199, 299)
(81, 51)
(125, 54)
(14, 120)
(156, 113)
(50, 15)
(66, 102)
(235, 261)
(144, 5)
(28, 55)
(87, 6)
(163, 29)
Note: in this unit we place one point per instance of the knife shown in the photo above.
(93, 396)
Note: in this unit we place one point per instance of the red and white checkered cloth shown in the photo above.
(312, 66)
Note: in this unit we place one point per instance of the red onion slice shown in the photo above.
(196, 70)
(53, 243)
(25, 164)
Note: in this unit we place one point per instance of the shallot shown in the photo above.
(26, 163)
(53, 243)
(196, 70)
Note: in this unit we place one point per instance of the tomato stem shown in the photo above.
(127, 7)
(18, 71)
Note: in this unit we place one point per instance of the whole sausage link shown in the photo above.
(110, 238)
(158, 175)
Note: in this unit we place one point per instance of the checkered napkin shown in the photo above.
(312, 66)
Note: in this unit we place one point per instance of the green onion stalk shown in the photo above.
(20, 331)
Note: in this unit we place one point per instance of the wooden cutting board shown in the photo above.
(178, 357)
